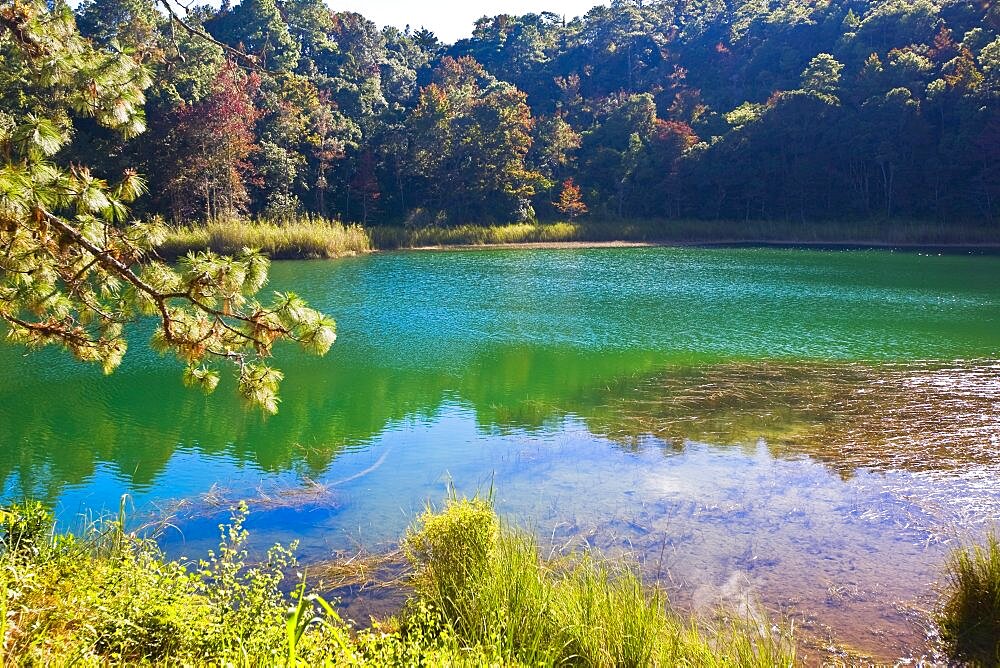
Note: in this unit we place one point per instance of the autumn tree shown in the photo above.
(571, 201)
(210, 145)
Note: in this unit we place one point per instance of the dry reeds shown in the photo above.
(303, 238)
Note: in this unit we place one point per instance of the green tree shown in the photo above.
(989, 59)
(822, 75)
(130, 24)
(471, 137)
(258, 28)
(73, 271)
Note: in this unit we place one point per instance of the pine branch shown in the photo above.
(248, 60)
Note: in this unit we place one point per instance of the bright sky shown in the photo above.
(451, 20)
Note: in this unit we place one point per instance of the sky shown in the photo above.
(451, 20)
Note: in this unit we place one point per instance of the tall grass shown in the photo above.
(303, 238)
(477, 235)
(970, 618)
(500, 596)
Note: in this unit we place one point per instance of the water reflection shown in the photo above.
(329, 407)
(914, 416)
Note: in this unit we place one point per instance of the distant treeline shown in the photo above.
(733, 109)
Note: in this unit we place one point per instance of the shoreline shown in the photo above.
(988, 247)
(323, 239)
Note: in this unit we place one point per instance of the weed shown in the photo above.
(970, 617)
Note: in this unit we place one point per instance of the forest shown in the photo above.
(801, 110)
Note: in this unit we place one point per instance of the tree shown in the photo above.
(961, 72)
(73, 271)
(571, 201)
(331, 133)
(989, 59)
(471, 137)
(553, 154)
(365, 184)
(210, 145)
(822, 75)
(258, 28)
(131, 24)
(614, 149)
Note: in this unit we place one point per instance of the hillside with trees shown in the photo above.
(707, 109)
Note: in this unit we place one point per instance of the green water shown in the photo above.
(725, 402)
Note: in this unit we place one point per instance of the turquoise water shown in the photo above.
(771, 423)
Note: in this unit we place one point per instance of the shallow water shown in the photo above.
(813, 430)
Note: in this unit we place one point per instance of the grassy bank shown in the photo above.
(483, 596)
(305, 238)
(318, 238)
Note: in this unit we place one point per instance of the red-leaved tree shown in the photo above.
(209, 148)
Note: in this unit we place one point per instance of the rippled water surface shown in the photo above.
(813, 430)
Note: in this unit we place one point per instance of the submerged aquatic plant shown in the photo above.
(970, 617)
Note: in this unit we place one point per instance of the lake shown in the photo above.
(809, 430)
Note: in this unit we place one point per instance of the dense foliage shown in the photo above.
(797, 110)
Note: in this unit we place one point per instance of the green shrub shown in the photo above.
(27, 528)
(970, 617)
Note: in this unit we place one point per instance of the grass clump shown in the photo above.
(970, 618)
(499, 596)
(301, 238)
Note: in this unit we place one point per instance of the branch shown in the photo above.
(118, 267)
(250, 61)
(50, 330)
